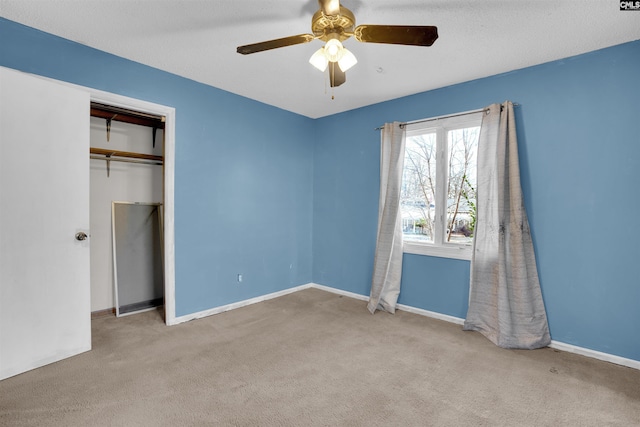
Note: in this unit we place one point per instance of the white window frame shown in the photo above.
(441, 125)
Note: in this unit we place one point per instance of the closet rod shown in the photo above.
(114, 159)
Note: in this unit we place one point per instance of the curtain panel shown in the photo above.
(387, 264)
(505, 300)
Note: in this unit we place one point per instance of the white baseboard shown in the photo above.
(339, 292)
(631, 363)
(233, 306)
(458, 321)
(595, 354)
(402, 307)
(432, 314)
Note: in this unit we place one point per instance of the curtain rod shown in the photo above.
(446, 116)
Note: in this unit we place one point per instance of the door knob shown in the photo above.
(81, 235)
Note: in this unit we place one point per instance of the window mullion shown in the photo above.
(441, 182)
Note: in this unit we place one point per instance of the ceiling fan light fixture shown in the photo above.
(333, 24)
(319, 59)
(334, 50)
(348, 60)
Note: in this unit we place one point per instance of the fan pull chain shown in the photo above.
(326, 80)
(329, 79)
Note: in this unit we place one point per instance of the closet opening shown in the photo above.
(127, 195)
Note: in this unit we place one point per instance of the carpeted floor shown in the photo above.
(313, 358)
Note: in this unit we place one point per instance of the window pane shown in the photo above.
(461, 187)
(417, 197)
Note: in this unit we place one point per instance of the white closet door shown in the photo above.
(44, 202)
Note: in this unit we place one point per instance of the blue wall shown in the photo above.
(579, 147)
(251, 179)
(243, 174)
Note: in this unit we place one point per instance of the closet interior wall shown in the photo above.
(129, 182)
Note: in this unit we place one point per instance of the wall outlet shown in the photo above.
(239, 278)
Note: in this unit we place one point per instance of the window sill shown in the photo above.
(449, 251)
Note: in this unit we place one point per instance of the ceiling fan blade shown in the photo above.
(330, 7)
(336, 75)
(413, 35)
(276, 43)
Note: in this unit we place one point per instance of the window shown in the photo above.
(438, 195)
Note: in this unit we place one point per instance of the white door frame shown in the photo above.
(169, 178)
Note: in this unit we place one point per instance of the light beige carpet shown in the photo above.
(314, 359)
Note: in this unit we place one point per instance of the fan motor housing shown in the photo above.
(339, 26)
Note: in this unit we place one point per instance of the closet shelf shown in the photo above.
(128, 116)
(115, 153)
(123, 156)
(110, 112)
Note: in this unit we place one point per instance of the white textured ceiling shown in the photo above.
(198, 39)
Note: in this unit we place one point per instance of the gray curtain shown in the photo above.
(387, 264)
(505, 301)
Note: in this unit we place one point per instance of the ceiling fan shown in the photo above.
(333, 24)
